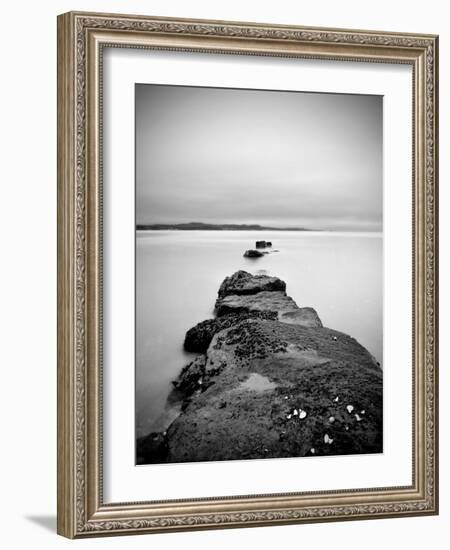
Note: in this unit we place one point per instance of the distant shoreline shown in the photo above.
(198, 226)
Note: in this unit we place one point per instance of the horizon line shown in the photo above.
(372, 229)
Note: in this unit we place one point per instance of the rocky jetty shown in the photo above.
(271, 381)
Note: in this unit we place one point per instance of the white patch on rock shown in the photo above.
(302, 414)
(257, 383)
(295, 413)
(289, 416)
(331, 419)
(358, 418)
(350, 409)
(363, 412)
(327, 439)
(336, 399)
(312, 451)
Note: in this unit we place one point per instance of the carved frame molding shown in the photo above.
(81, 39)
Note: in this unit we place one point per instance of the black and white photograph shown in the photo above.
(259, 269)
(247, 274)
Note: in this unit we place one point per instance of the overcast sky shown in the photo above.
(249, 156)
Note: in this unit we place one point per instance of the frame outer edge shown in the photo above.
(436, 270)
(65, 280)
(75, 351)
(436, 163)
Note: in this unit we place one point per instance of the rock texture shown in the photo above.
(243, 282)
(305, 316)
(198, 338)
(267, 301)
(271, 382)
(244, 293)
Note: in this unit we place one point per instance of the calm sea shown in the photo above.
(178, 274)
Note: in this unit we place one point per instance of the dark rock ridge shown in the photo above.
(271, 382)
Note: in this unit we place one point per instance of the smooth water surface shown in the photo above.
(178, 274)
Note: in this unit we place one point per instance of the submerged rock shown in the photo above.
(253, 254)
(263, 244)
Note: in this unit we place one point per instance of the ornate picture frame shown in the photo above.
(82, 38)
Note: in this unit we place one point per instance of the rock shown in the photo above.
(304, 316)
(302, 362)
(271, 382)
(198, 338)
(253, 254)
(263, 244)
(151, 449)
(256, 382)
(268, 301)
(189, 378)
(244, 293)
(243, 282)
